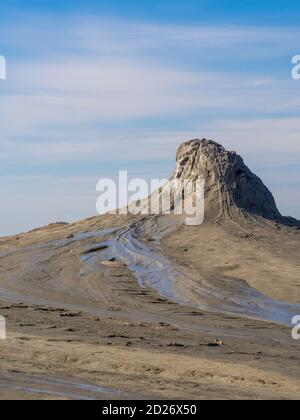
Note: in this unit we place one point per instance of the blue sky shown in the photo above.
(231, 11)
(98, 86)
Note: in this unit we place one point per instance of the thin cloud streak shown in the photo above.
(80, 91)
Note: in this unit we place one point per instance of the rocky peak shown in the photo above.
(230, 187)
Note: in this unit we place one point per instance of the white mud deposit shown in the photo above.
(223, 295)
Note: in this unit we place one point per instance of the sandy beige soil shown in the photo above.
(123, 307)
(100, 328)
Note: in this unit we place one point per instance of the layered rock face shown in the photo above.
(231, 189)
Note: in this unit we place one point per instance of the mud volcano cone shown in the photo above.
(231, 189)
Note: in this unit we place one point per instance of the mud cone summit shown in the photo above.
(231, 189)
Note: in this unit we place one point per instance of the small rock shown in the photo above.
(216, 343)
(26, 325)
(176, 345)
(71, 314)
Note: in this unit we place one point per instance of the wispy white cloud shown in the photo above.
(115, 35)
(55, 100)
(260, 136)
(78, 89)
(90, 70)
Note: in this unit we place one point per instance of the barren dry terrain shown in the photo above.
(146, 307)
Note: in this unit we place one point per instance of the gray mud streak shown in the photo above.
(53, 387)
(225, 295)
